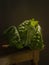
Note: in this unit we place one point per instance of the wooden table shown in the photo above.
(19, 57)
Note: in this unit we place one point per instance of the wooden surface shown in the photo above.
(20, 57)
(9, 56)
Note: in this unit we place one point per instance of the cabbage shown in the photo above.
(27, 34)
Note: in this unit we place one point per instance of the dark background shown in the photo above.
(13, 12)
